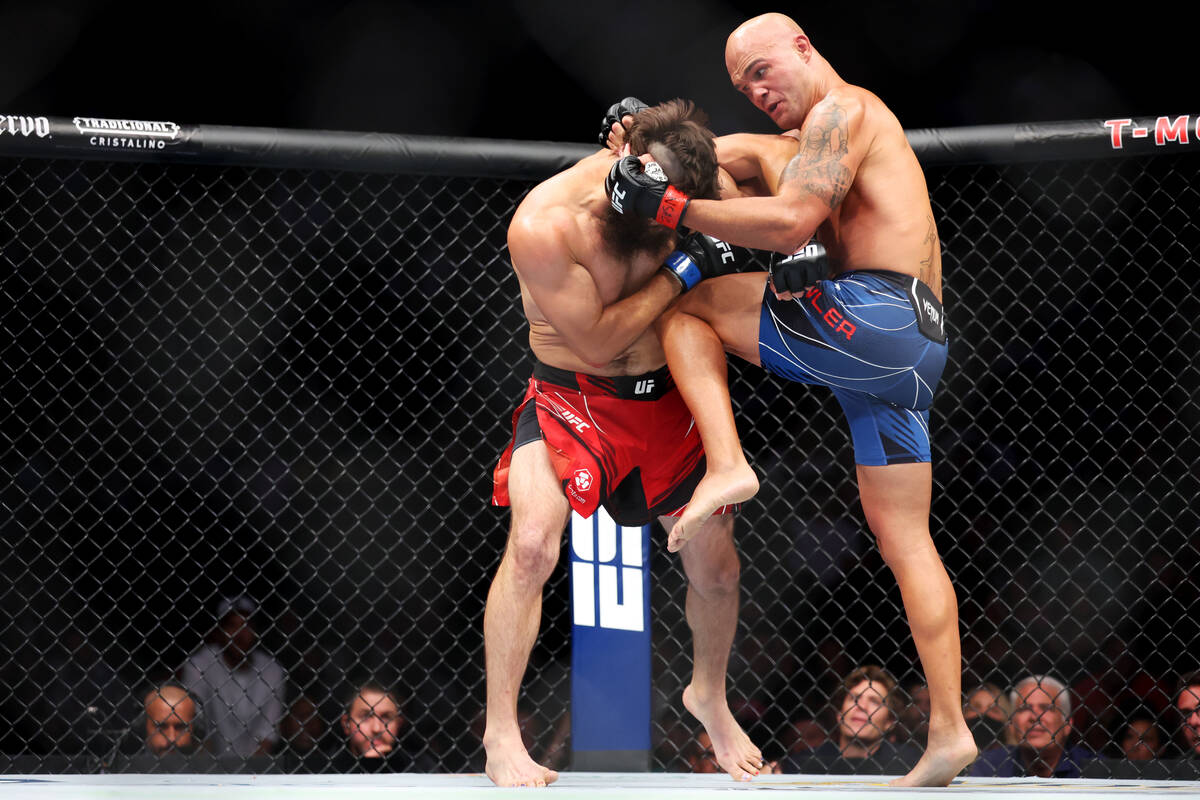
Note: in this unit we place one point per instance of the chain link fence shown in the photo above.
(255, 410)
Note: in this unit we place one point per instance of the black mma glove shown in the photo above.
(630, 105)
(645, 192)
(699, 257)
(801, 269)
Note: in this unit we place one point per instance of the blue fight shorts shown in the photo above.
(858, 334)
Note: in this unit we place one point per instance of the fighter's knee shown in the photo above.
(533, 551)
(720, 579)
(717, 575)
(905, 548)
(889, 551)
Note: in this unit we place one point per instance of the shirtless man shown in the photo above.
(865, 321)
(602, 423)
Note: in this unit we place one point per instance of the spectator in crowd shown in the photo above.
(373, 725)
(988, 713)
(700, 755)
(300, 735)
(674, 747)
(172, 721)
(77, 698)
(1187, 703)
(1041, 726)
(240, 686)
(868, 706)
(1140, 738)
(914, 720)
(803, 734)
(1120, 680)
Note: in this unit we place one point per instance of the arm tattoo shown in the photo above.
(931, 268)
(818, 167)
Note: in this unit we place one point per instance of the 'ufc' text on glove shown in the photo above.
(700, 257)
(800, 270)
(632, 189)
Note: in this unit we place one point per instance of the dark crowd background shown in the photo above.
(537, 69)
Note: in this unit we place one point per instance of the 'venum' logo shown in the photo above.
(607, 587)
(932, 313)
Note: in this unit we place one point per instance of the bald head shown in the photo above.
(170, 714)
(766, 30)
(772, 24)
(772, 62)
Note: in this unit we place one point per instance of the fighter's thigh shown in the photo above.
(710, 558)
(539, 508)
(732, 306)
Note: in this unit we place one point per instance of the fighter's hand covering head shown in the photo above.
(699, 257)
(800, 270)
(616, 116)
(645, 191)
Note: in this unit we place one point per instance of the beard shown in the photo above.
(628, 235)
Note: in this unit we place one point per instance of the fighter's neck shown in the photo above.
(827, 81)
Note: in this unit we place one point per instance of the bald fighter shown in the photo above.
(601, 422)
(854, 305)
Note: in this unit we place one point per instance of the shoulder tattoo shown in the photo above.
(817, 167)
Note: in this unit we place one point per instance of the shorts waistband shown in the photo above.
(900, 280)
(647, 386)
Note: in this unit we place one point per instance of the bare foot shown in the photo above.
(944, 758)
(736, 754)
(715, 489)
(511, 766)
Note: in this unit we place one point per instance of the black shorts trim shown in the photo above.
(651, 385)
(528, 428)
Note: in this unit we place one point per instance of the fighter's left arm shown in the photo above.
(832, 144)
(811, 186)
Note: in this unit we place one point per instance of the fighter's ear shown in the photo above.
(803, 46)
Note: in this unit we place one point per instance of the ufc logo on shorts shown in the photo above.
(606, 574)
(574, 420)
(644, 387)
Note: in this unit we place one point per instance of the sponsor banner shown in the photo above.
(97, 138)
(122, 139)
(1160, 131)
(28, 127)
(126, 134)
(1051, 141)
(610, 635)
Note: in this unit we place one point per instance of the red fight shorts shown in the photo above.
(628, 443)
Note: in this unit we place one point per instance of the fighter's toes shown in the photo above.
(518, 771)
